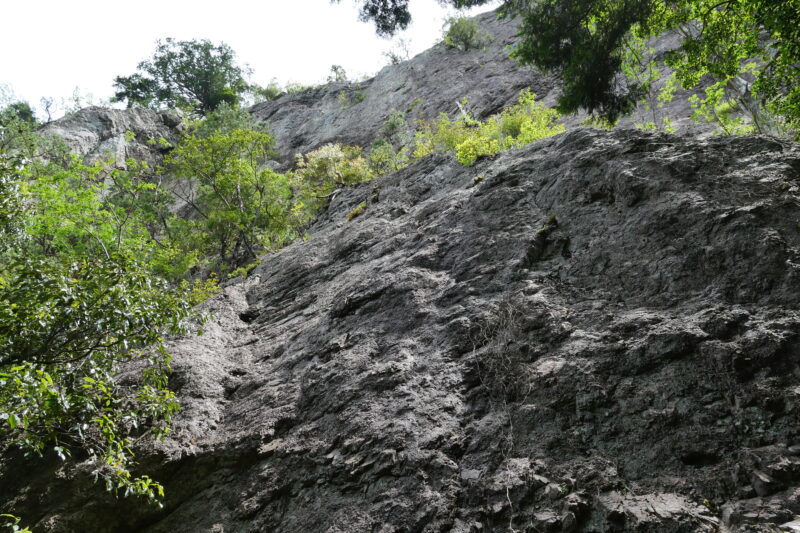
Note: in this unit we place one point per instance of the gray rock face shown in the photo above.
(432, 83)
(595, 333)
(428, 84)
(100, 133)
(354, 113)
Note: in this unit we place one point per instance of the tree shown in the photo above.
(17, 123)
(337, 75)
(66, 329)
(240, 206)
(463, 33)
(749, 48)
(18, 111)
(70, 321)
(193, 74)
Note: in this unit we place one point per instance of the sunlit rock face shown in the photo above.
(432, 82)
(597, 332)
(98, 133)
(481, 81)
(440, 80)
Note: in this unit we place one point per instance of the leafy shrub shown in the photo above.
(226, 119)
(295, 87)
(348, 99)
(337, 75)
(463, 33)
(321, 172)
(271, 91)
(385, 158)
(333, 165)
(395, 127)
(517, 126)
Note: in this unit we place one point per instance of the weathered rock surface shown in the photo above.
(354, 113)
(596, 333)
(99, 133)
(431, 83)
(422, 87)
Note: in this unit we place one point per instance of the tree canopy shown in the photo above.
(195, 74)
(746, 50)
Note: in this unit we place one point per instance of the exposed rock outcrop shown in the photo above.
(431, 83)
(595, 333)
(426, 85)
(97, 133)
(354, 113)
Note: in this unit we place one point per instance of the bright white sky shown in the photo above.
(50, 47)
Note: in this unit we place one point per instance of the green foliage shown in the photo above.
(333, 165)
(271, 91)
(294, 88)
(391, 153)
(18, 112)
(463, 33)
(225, 119)
(349, 99)
(395, 127)
(240, 205)
(79, 210)
(323, 171)
(66, 328)
(657, 90)
(720, 108)
(11, 201)
(751, 48)
(337, 75)
(17, 124)
(82, 298)
(11, 523)
(517, 126)
(357, 210)
(415, 104)
(388, 15)
(748, 48)
(196, 75)
(385, 158)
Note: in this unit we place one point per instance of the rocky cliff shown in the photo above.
(428, 84)
(354, 113)
(595, 333)
(98, 133)
(431, 83)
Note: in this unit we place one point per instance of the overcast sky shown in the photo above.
(50, 47)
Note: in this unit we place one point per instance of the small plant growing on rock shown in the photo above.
(498, 357)
(349, 100)
(357, 210)
(12, 524)
(384, 158)
(321, 173)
